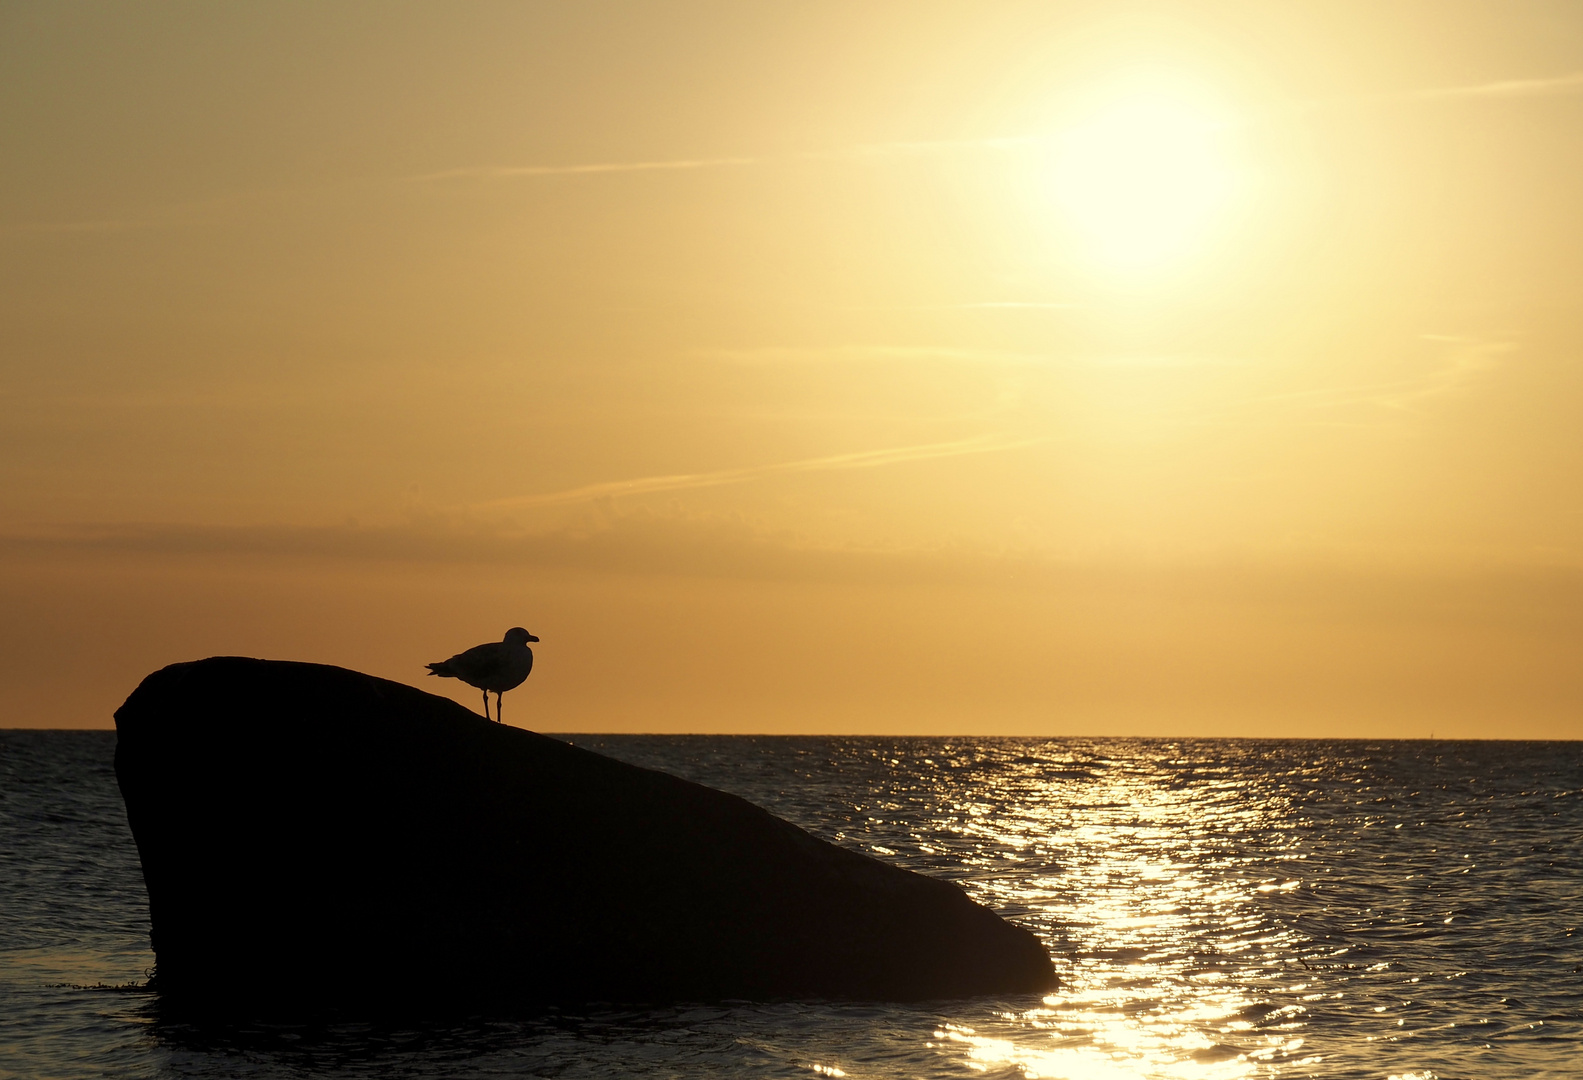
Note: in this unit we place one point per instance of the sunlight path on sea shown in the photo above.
(1171, 970)
(1143, 871)
(1223, 908)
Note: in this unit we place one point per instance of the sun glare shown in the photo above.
(1144, 179)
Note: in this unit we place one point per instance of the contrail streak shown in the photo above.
(681, 481)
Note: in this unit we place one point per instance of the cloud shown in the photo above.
(1464, 359)
(869, 459)
(777, 354)
(994, 304)
(1460, 362)
(506, 172)
(227, 202)
(934, 146)
(210, 208)
(1503, 89)
(107, 225)
(1510, 88)
(1539, 601)
(644, 543)
(870, 150)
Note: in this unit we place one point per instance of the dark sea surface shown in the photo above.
(1215, 909)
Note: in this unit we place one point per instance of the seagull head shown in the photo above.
(518, 636)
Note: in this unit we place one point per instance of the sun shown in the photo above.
(1144, 178)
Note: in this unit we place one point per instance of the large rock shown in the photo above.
(311, 834)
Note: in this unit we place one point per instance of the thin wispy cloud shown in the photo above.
(991, 305)
(107, 225)
(867, 150)
(506, 172)
(1501, 89)
(218, 207)
(177, 213)
(868, 459)
(1510, 88)
(1461, 363)
(932, 146)
(1463, 360)
(838, 354)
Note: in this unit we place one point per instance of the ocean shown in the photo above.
(1215, 909)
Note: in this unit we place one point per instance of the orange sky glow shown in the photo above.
(1007, 368)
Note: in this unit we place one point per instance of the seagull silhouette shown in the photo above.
(496, 665)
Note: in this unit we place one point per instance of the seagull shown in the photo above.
(495, 665)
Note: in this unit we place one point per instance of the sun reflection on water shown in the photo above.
(1171, 970)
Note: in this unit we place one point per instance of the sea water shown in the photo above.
(1215, 909)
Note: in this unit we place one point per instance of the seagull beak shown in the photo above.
(532, 638)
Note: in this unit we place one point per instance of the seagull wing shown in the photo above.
(480, 662)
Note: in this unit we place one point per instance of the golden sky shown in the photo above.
(1177, 369)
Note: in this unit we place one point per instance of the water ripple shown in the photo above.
(1216, 909)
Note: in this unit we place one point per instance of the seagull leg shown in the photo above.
(486, 704)
(498, 720)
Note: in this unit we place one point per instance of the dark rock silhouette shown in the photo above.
(312, 835)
